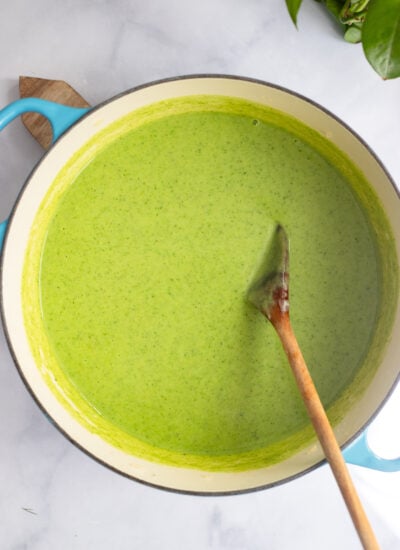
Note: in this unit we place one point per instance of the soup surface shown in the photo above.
(137, 270)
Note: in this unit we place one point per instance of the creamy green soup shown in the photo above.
(137, 271)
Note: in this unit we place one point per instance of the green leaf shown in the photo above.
(381, 37)
(293, 7)
(334, 6)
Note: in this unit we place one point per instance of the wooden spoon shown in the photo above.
(270, 294)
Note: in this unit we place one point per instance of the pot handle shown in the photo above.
(3, 226)
(361, 454)
(60, 116)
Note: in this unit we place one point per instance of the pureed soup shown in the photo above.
(137, 270)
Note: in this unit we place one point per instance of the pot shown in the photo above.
(72, 128)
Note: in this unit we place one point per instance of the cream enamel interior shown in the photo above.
(14, 251)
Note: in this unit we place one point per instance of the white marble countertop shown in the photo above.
(52, 496)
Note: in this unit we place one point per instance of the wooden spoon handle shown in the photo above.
(325, 432)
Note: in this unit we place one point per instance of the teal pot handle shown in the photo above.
(61, 118)
(360, 454)
(3, 226)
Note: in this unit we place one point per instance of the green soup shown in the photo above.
(137, 269)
